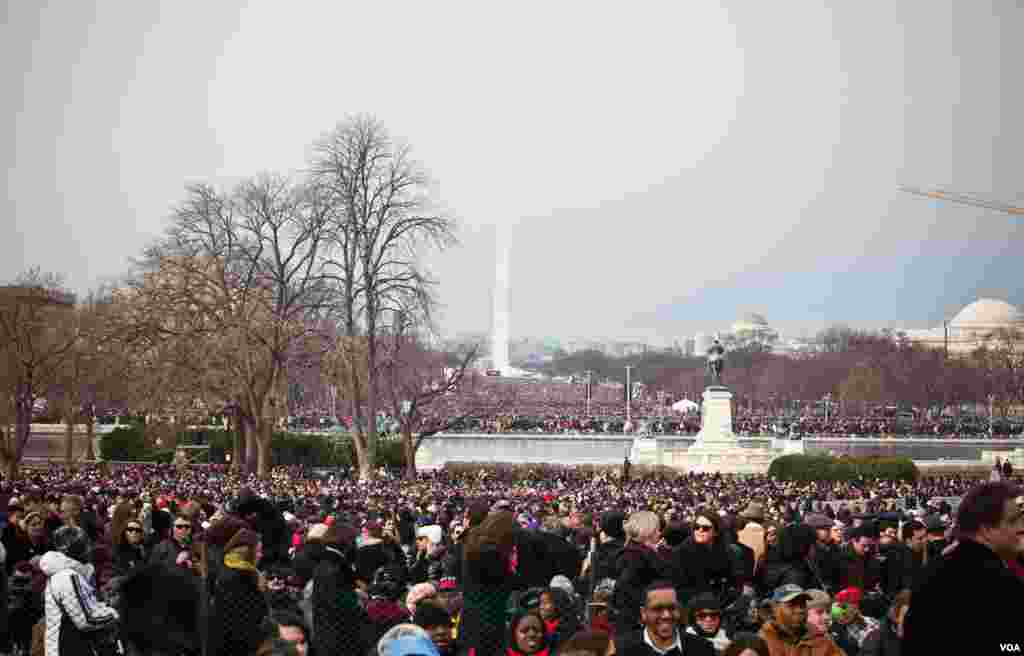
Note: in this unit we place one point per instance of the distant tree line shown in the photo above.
(856, 368)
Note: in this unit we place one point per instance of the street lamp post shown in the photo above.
(991, 423)
(629, 395)
(828, 402)
(590, 390)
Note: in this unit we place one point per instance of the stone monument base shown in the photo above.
(645, 452)
(724, 460)
(717, 450)
(1016, 457)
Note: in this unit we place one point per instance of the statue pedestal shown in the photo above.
(1015, 457)
(717, 449)
(645, 452)
(716, 417)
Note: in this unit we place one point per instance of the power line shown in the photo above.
(964, 199)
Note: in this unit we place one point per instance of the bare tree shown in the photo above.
(96, 371)
(35, 341)
(416, 382)
(381, 221)
(227, 293)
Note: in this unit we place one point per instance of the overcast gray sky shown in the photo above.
(658, 168)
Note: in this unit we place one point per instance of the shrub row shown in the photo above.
(805, 468)
(130, 444)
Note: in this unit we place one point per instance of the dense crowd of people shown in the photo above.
(745, 424)
(203, 560)
(505, 406)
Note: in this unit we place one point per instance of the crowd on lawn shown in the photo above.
(546, 561)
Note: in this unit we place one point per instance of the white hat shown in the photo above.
(432, 533)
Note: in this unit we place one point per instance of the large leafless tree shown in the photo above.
(381, 222)
(227, 293)
(36, 338)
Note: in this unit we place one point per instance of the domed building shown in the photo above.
(749, 323)
(973, 326)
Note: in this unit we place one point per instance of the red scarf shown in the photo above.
(1017, 567)
(550, 626)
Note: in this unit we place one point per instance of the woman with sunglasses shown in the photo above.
(126, 538)
(703, 561)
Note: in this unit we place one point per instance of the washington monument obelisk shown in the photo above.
(500, 330)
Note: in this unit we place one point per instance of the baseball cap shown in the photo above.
(786, 593)
(818, 599)
(411, 645)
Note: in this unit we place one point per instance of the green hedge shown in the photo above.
(125, 444)
(806, 468)
(129, 444)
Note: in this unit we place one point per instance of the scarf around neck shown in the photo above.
(235, 561)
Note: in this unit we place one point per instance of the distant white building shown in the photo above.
(974, 325)
(751, 322)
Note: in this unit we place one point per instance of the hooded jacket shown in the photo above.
(70, 600)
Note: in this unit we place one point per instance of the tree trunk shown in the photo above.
(90, 435)
(247, 441)
(69, 439)
(238, 444)
(252, 449)
(371, 389)
(22, 433)
(409, 444)
(264, 455)
(360, 444)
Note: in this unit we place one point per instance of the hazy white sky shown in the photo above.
(658, 168)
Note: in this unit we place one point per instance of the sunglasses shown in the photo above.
(704, 527)
(133, 529)
(182, 526)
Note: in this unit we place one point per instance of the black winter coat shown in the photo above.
(638, 567)
(701, 568)
(899, 568)
(604, 563)
(971, 582)
(826, 562)
(371, 557)
(238, 610)
(743, 560)
(778, 573)
(542, 556)
(340, 625)
(124, 558)
(883, 642)
(166, 552)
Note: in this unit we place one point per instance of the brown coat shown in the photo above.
(781, 644)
